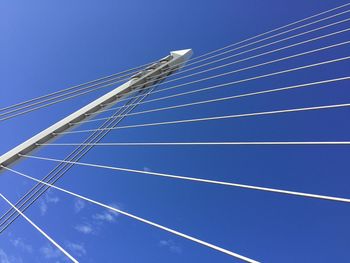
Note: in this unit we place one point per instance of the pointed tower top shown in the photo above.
(185, 53)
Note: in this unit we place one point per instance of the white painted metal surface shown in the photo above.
(166, 65)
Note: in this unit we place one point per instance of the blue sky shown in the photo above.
(46, 46)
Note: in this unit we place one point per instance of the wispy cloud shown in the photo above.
(79, 205)
(84, 228)
(170, 244)
(20, 244)
(52, 199)
(42, 207)
(109, 216)
(78, 249)
(45, 201)
(147, 169)
(6, 258)
(49, 252)
(96, 221)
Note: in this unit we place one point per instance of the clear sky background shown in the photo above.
(46, 46)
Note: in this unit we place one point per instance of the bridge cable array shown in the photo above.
(108, 81)
(126, 106)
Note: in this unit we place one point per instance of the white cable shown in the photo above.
(77, 86)
(259, 55)
(255, 56)
(247, 68)
(196, 240)
(50, 179)
(195, 143)
(196, 81)
(107, 85)
(281, 33)
(284, 39)
(44, 96)
(322, 27)
(49, 104)
(224, 85)
(39, 229)
(223, 98)
(259, 47)
(271, 31)
(303, 33)
(330, 198)
(333, 106)
(265, 75)
(258, 65)
(65, 96)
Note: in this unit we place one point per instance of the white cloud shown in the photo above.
(170, 244)
(109, 216)
(42, 207)
(147, 169)
(20, 244)
(50, 252)
(52, 199)
(94, 225)
(44, 202)
(79, 205)
(84, 228)
(5, 258)
(104, 217)
(77, 249)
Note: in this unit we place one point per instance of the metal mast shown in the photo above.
(146, 78)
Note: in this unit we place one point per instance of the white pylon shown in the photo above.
(164, 67)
